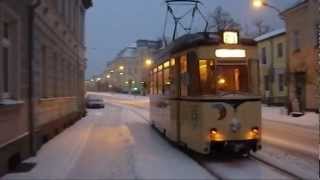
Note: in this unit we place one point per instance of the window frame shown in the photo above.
(264, 55)
(281, 82)
(10, 40)
(280, 50)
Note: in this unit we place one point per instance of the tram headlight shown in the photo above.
(255, 130)
(213, 131)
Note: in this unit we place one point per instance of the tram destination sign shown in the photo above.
(230, 37)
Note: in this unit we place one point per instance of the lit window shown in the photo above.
(173, 62)
(184, 76)
(166, 64)
(230, 53)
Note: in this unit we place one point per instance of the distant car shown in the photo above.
(94, 102)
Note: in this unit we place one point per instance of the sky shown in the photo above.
(112, 25)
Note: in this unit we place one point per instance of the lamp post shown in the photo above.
(261, 3)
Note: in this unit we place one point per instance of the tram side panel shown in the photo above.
(164, 117)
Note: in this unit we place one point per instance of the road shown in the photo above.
(117, 142)
(283, 143)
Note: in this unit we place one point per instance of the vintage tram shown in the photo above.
(204, 93)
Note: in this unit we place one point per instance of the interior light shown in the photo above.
(230, 53)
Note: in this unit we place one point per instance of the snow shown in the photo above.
(270, 34)
(111, 143)
(243, 168)
(290, 161)
(310, 119)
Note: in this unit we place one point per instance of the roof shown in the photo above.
(194, 40)
(295, 5)
(271, 34)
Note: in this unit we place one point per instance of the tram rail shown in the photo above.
(200, 159)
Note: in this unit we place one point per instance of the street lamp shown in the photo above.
(121, 68)
(148, 62)
(260, 3)
(108, 76)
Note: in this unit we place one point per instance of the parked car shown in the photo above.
(93, 101)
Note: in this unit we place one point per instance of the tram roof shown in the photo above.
(189, 41)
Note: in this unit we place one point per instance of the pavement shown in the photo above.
(111, 143)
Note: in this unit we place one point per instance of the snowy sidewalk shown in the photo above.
(310, 119)
(112, 143)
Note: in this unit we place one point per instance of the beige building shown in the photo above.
(302, 22)
(128, 72)
(272, 48)
(42, 73)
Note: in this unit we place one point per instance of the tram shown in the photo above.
(204, 93)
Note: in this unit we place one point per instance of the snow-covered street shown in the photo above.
(111, 143)
(118, 143)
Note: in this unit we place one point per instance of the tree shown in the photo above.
(220, 20)
(260, 27)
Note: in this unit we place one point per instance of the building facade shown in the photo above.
(42, 73)
(302, 21)
(272, 48)
(128, 72)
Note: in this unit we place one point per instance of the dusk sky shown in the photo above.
(112, 25)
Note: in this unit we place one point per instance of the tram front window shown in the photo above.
(215, 79)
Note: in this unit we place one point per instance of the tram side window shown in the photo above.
(207, 83)
(160, 80)
(166, 78)
(151, 83)
(183, 76)
(154, 80)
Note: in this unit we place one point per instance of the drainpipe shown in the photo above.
(31, 17)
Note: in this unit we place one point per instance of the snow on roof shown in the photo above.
(270, 34)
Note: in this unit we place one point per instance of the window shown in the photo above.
(5, 70)
(266, 83)
(280, 50)
(6, 30)
(232, 78)
(184, 76)
(166, 78)
(155, 88)
(44, 71)
(296, 40)
(264, 55)
(160, 80)
(281, 82)
(9, 53)
(5, 58)
(204, 76)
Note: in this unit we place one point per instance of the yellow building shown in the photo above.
(273, 63)
(302, 21)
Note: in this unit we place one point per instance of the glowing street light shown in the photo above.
(148, 62)
(258, 3)
(98, 79)
(121, 73)
(121, 68)
(261, 3)
(108, 76)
